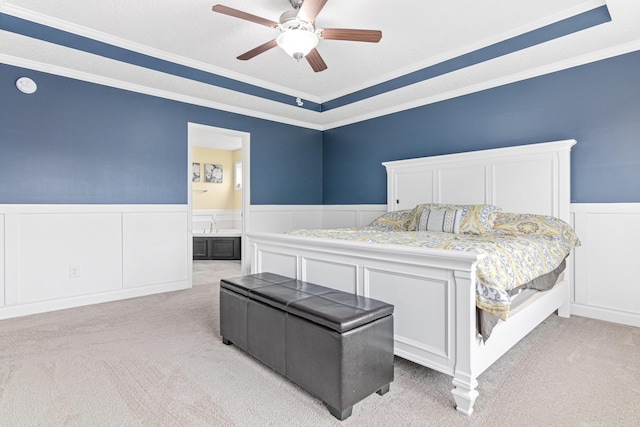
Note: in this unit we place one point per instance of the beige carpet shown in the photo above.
(159, 361)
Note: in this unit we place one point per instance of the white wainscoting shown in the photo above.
(124, 251)
(283, 218)
(61, 256)
(607, 286)
(225, 219)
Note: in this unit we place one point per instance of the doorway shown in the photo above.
(217, 178)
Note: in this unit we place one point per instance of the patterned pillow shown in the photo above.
(476, 219)
(394, 221)
(443, 220)
(542, 225)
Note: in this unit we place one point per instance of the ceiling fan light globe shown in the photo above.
(297, 43)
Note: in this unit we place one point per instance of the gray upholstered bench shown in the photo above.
(335, 345)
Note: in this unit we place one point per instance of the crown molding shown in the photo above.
(540, 71)
(490, 84)
(80, 30)
(119, 84)
(434, 60)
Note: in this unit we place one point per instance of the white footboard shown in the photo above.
(433, 292)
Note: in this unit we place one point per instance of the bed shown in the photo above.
(433, 289)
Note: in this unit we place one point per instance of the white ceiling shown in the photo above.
(212, 137)
(415, 35)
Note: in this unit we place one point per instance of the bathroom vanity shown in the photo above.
(223, 245)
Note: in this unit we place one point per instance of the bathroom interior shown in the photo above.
(216, 189)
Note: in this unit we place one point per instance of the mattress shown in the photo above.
(512, 261)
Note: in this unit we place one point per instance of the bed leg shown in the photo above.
(564, 310)
(465, 394)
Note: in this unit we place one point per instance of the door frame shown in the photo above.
(245, 137)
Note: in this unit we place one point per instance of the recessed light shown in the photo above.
(26, 85)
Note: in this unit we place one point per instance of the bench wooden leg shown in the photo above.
(341, 415)
(383, 390)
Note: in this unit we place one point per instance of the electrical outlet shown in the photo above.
(74, 271)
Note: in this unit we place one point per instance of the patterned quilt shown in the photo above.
(515, 254)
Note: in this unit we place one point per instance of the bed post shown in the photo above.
(564, 212)
(465, 373)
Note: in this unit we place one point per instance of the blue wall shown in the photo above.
(597, 104)
(78, 142)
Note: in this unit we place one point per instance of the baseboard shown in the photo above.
(89, 299)
(608, 315)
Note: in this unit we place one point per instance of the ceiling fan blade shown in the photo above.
(258, 50)
(310, 9)
(243, 15)
(371, 36)
(316, 61)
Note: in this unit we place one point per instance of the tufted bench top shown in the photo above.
(336, 310)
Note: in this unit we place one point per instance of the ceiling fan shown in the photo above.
(298, 35)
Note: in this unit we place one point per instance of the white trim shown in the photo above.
(616, 208)
(493, 153)
(605, 277)
(536, 72)
(283, 218)
(95, 208)
(82, 300)
(97, 239)
(490, 84)
(80, 30)
(246, 184)
(62, 71)
(277, 208)
(606, 314)
(480, 44)
(119, 84)
(63, 25)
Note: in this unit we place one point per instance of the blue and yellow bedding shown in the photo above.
(520, 248)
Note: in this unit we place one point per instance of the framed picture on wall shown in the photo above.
(212, 173)
(195, 172)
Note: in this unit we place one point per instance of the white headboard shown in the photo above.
(531, 178)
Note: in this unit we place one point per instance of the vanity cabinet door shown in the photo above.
(225, 248)
(200, 248)
(212, 248)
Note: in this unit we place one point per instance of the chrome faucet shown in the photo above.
(213, 222)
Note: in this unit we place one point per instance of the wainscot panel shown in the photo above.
(54, 257)
(283, 218)
(154, 245)
(606, 283)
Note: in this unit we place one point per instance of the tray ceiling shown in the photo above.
(57, 37)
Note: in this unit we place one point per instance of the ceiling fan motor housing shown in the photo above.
(298, 36)
(289, 21)
(296, 3)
